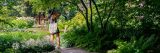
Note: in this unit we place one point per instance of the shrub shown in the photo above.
(38, 45)
(81, 38)
(20, 23)
(5, 23)
(23, 22)
(12, 39)
(135, 45)
(76, 22)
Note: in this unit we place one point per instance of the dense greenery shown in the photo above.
(120, 26)
(23, 22)
(117, 20)
(134, 45)
(24, 41)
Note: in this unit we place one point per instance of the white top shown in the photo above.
(53, 27)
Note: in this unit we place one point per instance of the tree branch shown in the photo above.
(111, 10)
(98, 13)
(80, 11)
(91, 22)
(86, 18)
(77, 8)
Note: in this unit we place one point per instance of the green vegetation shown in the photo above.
(116, 26)
(23, 22)
(135, 46)
(24, 41)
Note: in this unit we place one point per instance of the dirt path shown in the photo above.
(70, 50)
(73, 50)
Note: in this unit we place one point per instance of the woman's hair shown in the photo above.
(54, 13)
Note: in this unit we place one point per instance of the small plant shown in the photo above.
(20, 23)
(23, 22)
(39, 45)
(135, 45)
(13, 40)
(81, 38)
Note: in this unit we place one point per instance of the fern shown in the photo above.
(135, 45)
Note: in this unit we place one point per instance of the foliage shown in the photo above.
(9, 38)
(45, 5)
(13, 7)
(38, 45)
(108, 19)
(76, 22)
(20, 23)
(81, 38)
(5, 20)
(23, 22)
(135, 45)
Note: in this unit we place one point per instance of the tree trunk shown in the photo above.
(86, 15)
(109, 15)
(100, 19)
(91, 22)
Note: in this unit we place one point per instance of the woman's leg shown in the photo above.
(52, 39)
(58, 40)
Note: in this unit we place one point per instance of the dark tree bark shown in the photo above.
(78, 8)
(104, 15)
(109, 15)
(91, 24)
(105, 11)
(100, 19)
(86, 15)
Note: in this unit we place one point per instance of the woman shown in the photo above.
(53, 27)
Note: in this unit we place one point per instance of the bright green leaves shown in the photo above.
(44, 5)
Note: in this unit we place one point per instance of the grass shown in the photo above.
(8, 39)
(22, 35)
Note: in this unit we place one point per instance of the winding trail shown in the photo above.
(70, 50)
(73, 50)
